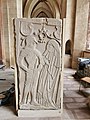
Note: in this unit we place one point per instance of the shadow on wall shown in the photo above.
(67, 62)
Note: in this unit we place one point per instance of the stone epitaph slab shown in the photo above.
(39, 63)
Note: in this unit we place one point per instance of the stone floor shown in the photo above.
(75, 107)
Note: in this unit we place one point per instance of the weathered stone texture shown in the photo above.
(39, 59)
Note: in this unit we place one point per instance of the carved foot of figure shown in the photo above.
(34, 102)
(52, 103)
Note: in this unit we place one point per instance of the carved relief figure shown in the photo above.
(39, 59)
(34, 62)
(49, 76)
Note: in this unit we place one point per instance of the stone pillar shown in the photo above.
(0, 34)
(63, 8)
(12, 13)
(70, 24)
(81, 25)
(88, 31)
(19, 8)
(8, 13)
(5, 37)
(70, 19)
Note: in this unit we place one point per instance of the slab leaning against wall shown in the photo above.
(39, 63)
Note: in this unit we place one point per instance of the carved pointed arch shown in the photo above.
(42, 10)
(41, 14)
(31, 5)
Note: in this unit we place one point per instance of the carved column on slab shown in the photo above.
(39, 49)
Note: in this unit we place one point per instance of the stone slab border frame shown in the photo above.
(37, 113)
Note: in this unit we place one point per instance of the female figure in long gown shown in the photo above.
(49, 78)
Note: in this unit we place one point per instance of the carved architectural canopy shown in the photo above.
(39, 63)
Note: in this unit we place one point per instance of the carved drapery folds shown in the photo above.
(39, 63)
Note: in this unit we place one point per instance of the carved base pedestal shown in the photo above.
(39, 65)
(39, 113)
